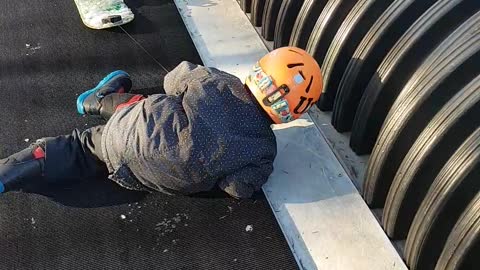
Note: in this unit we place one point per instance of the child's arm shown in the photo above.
(174, 82)
(244, 182)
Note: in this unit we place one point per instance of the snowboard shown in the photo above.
(101, 14)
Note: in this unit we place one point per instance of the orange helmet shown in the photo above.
(286, 82)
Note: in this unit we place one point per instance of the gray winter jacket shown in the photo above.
(206, 130)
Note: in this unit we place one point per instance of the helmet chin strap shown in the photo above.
(277, 95)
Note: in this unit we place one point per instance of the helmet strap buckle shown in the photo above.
(276, 95)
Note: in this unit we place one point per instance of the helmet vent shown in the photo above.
(295, 65)
(301, 74)
(309, 85)
(295, 52)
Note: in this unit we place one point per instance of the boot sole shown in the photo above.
(84, 95)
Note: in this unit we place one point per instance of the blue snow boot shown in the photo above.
(90, 102)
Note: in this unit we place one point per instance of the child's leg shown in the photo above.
(53, 159)
(110, 92)
(109, 104)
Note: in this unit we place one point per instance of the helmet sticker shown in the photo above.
(283, 110)
(266, 85)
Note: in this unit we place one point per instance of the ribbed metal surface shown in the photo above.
(376, 44)
(438, 141)
(269, 20)
(463, 245)
(246, 5)
(305, 22)
(401, 62)
(326, 26)
(357, 23)
(285, 22)
(447, 199)
(256, 10)
(449, 66)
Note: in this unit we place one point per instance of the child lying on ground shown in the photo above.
(208, 129)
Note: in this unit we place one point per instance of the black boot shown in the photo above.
(22, 169)
(111, 103)
(90, 102)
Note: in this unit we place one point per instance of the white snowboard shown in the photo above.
(101, 14)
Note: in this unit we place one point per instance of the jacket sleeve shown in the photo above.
(247, 180)
(174, 82)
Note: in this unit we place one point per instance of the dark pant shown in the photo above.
(74, 156)
(79, 155)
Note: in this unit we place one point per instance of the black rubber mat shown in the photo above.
(449, 128)
(399, 65)
(379, 40)
(351, 32)
(463, 245)
(286, 19)
(269, 20)
(451, 192)
(306, 19)
(451, 66)
(326, 27)
(257, 12)
(48, 57)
